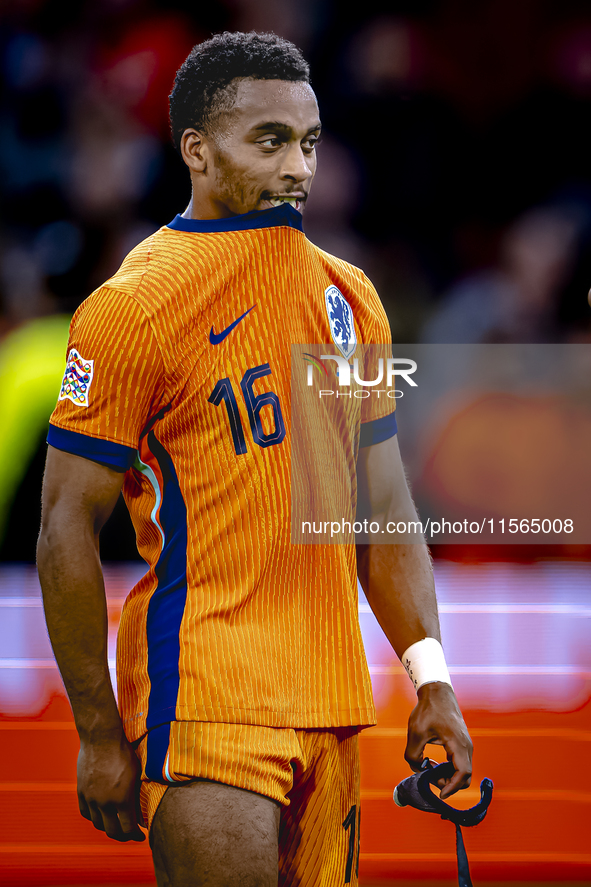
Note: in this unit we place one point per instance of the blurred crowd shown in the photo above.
(454, 167)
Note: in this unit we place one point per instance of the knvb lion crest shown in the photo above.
(340, 318)
(77, 379)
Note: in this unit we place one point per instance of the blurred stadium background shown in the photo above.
(455, 169)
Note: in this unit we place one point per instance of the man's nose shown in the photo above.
(296, 165)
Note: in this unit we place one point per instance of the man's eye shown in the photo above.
(310, 143)
(270, 142)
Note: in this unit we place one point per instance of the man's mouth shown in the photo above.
(296, 202)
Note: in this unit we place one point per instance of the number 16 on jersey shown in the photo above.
(223, 391)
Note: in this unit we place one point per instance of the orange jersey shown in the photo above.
(178, 373)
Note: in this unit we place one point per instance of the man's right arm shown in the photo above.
(78, 497)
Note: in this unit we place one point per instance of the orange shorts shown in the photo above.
(313, 774)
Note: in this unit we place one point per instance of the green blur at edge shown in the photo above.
(32, 361)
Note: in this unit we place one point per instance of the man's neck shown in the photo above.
(205, 207)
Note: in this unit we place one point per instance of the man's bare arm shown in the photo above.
(78, 497)
(398, 582)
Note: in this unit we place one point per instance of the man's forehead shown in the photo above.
(257, 98)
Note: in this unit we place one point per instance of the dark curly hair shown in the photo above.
(202, 84)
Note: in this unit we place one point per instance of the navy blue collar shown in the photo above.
(278, 216)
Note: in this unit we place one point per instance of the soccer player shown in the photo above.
(242, 678)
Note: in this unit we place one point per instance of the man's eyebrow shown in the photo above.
(277, 126)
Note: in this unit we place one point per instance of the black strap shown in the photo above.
(471, 817)
(464, 879)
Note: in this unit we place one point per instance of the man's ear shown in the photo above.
(195, 150)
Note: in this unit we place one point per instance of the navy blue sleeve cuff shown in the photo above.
(378, 430)
(115, 455)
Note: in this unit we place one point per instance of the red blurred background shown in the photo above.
(516, 637)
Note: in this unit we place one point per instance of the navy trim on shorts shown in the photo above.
(157, 745)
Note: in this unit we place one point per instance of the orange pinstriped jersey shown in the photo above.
(178, 372)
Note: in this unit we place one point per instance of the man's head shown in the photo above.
(245, 120)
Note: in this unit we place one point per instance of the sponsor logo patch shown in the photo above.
(77, 379)
(340, 318)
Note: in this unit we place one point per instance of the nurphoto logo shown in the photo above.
(399, 368)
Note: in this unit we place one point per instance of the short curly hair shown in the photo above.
(201, 85)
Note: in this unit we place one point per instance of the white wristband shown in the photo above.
(425, 663)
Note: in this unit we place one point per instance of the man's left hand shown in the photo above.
(437, 719)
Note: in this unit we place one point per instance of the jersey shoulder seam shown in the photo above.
(140, 307)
